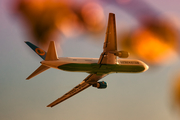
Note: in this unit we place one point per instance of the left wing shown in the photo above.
(88, 81)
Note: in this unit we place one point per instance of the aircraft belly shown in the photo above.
(75, 67)
(103, 68)
(129, 68)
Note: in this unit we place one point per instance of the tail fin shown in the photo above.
(50, 55)
(39, 70)
(38, 50)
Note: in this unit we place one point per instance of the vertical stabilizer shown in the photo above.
(51, 53)
(38, 50)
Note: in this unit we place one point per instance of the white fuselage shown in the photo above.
(90, 65)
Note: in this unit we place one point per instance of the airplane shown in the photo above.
(97, 68)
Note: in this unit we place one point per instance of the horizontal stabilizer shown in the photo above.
(51, 53)
(39, 70)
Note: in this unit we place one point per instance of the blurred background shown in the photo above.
(147, 29)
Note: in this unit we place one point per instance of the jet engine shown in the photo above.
(122, 54)
(100, 85)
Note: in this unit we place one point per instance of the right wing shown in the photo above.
(88, 81)
(110, 43)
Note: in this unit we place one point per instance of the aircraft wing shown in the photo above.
(88, 81)
(110, 43)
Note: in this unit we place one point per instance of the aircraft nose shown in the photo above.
(146, 67)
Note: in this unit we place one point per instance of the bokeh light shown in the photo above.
(155, 42)
(93, 16)
(176, 92)
(123, 1)
(46, 18)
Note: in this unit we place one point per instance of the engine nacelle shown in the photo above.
(100, 85)
(122, 54)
